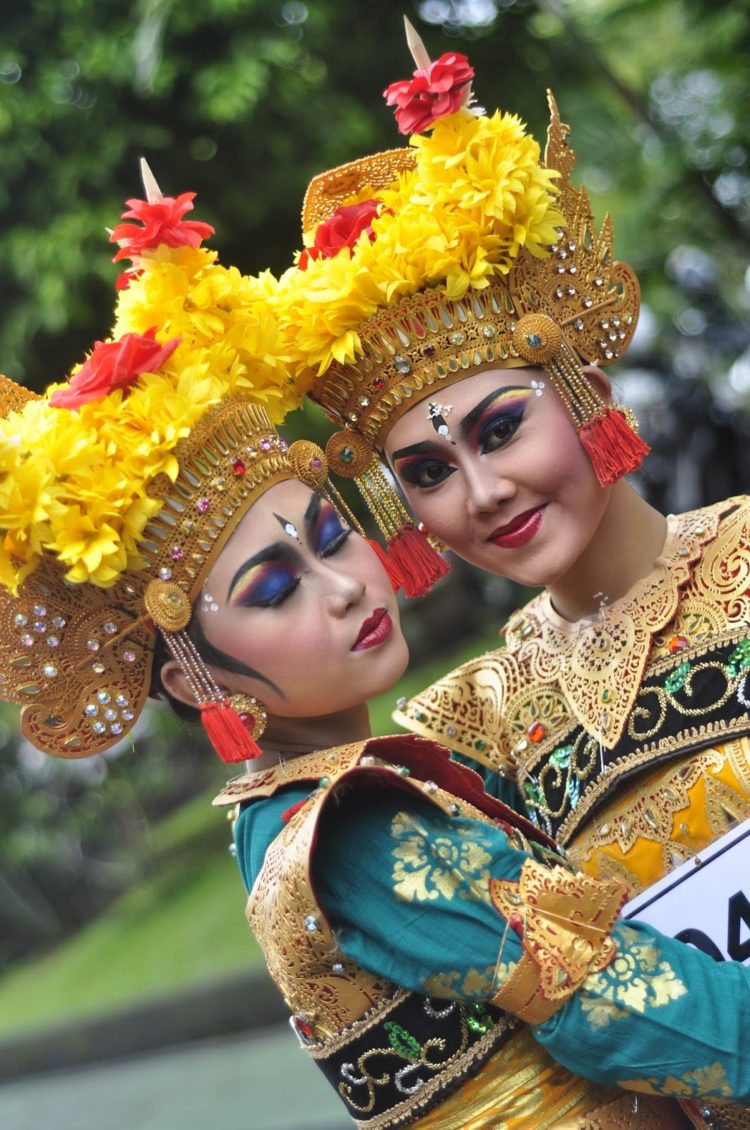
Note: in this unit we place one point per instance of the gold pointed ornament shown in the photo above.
(119, 488)
(465, 251)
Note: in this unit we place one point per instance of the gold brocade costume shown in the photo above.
(628, 733)
(487, 1070)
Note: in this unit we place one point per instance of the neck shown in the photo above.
(294, 737)
(623, 550)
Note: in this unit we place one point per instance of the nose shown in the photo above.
(342, 590)
(486, 486)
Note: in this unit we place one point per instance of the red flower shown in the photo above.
(342, 229)
(114, 364)
(162, 223)
(123, 281)
(430, 94)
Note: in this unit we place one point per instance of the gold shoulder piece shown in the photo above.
(465, 710)
(565, 921)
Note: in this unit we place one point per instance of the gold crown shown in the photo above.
(78, 659)
(429, 339)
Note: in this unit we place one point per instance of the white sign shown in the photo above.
(706, 901)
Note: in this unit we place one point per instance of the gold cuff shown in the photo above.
(565, 921)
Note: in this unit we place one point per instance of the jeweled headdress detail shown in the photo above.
(118, 489)
(465, 250)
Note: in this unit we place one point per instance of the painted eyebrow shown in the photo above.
(470, 419)
(311, 516)
(427, 447)
(278, 551)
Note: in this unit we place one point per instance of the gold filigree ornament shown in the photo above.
(117, 495)
(566, 922)
(448, 278)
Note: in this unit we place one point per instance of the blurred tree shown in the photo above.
(242, 101)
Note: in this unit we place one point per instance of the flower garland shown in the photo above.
(187, 331)
(477, 198)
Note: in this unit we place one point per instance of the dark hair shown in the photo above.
(209, 654)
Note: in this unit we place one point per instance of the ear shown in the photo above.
(600, 382)
(175, 684)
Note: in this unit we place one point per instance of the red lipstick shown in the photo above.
(519, 530)
(375, 629)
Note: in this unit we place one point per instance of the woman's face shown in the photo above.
(305, 603)
(494, 467)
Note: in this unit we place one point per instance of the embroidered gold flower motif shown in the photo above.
(461, 984)
(430, 864)
(706, 1082)
(636, 981)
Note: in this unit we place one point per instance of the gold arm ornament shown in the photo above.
(565, 921)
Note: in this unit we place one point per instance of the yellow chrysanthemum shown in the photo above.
(75, 483)
(477, 198)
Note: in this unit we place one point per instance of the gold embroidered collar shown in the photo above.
(599, 662)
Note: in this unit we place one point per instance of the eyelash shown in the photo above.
(413, 472)
(329, 521)
(513, 419)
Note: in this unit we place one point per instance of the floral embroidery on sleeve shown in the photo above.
(462, 984)
(431, 864)
(704, 1082)
(638, 980)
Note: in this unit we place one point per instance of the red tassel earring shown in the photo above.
(233, 726)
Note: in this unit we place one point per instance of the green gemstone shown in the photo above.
(479, 1020)
(324, 782)
(676, 681)
(480, 745)
(534, 341)
(739, 659)
(402, 1041)
(605, 696)
(346, 455)
(420, 715)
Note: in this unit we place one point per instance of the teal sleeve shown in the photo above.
(406, 889)
(494, 785)
(258, 825)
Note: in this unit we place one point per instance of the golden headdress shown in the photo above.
(118, 489)
(465, 250)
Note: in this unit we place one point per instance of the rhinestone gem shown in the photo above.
(428, 350)
(368, 759)
(454, 810)
(121, 699)
(202, 505)
(401, 702)
(98, 727)
(677, 643)
(238, 467)
(110, 627)
(598, 281)
(480, 745)
(311, 924)
(219, 483)
(403, 771)
(337, 968)
(52, 641)
(92, 645)
(489, 332)
(430, 787)
(683, 551)
(458, 337)
(450, 731)
(536, 731)
(128, 715)
(98, 667)
(129, 656)
(49, 671)
(165, 573)
(420, 715)
(265, 444)
(110, 714)
(176, 553)
(40, 626)
(402, 364)
(378, 383)
(91, 709)
(58, 621)
(346, 455)
(104, 697)
(116, 728)
(20, 620)
(283, 445)
(27, 640)
(364, 401)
